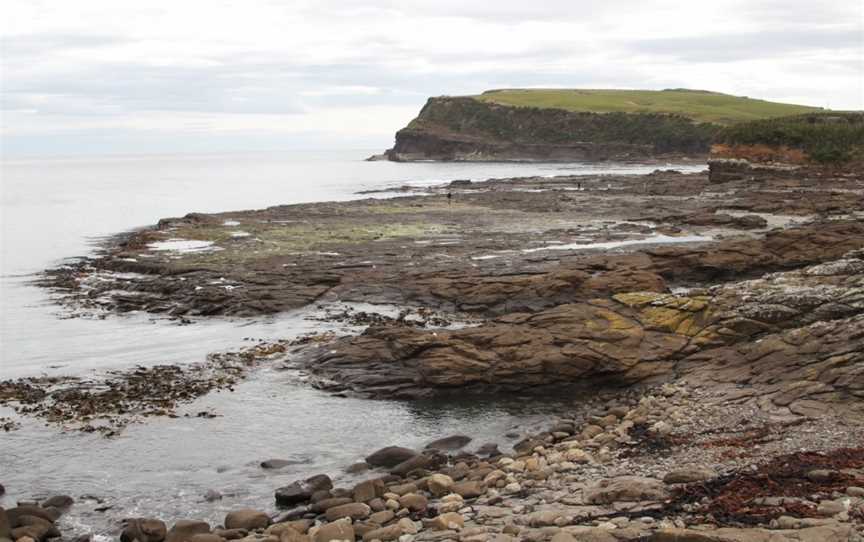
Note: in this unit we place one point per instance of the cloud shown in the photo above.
(275, 67)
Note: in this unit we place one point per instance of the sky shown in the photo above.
(122, 76)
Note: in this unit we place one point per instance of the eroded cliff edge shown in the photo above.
(465, 129)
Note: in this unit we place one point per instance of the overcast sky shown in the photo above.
(104, 76)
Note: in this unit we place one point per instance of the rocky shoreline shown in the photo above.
(719, 327)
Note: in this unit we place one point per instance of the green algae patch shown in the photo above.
(267, 239)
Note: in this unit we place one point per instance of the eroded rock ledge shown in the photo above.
(634, 337)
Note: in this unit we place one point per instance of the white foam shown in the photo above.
(231, 223)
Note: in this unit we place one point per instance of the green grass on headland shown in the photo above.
(699, 105)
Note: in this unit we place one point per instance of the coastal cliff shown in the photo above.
(573, 125)
(786, 145)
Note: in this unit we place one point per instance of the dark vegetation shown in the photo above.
(666, 133)
(828, 138)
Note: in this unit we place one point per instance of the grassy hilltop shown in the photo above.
(699, 105)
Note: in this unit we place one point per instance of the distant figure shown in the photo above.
(449, 198)
(579, 186)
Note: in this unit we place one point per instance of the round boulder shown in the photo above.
(390, 456)
(453, 442)
(247, 519)
(144, 530)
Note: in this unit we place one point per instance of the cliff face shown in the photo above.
(471, 130)
(772, 147)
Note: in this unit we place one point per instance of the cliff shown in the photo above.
(828, 140)
(574, 125)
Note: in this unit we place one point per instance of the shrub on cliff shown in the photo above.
(828, 138)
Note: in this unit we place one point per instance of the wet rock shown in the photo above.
(337, 530)
(689, 475)
(58, 501)
(247, 519)
(357, 468)
(418, 462)
(390, 456)
(301, 491)
(326, 504)
(36, 532)
(354, 510)
(626, 489)
(184, 529)
(144, 530)
(49, 514)
(32, 521)
(212, 495)
(490, 449)
(5, 527)
(277, 463)
(453, 442)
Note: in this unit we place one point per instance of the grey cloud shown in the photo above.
(749, 46)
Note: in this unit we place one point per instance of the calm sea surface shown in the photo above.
(54, 209)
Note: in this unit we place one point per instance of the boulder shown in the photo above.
(337, 530)
(451, 521)
(58, 501)
(144, 530)
(230, 534)
(354, 510)
(326, 504)
(276, 463)
(301, 491)
(50, 514)
(390, 456)
(468, 490)
(290, 535)
(5, 527)
(301, 526)
(439, 484)
(453, 442)
(420, 461)
(247, 519)
(206, 537)
(490, 449)
(382, 517)
(414, 502)
(403, 489)
(385, 534)
(185, 529)
(36, 532)
(368, 490)
(626, 489)
(50, 530)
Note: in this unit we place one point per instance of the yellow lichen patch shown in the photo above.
(670, 313)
